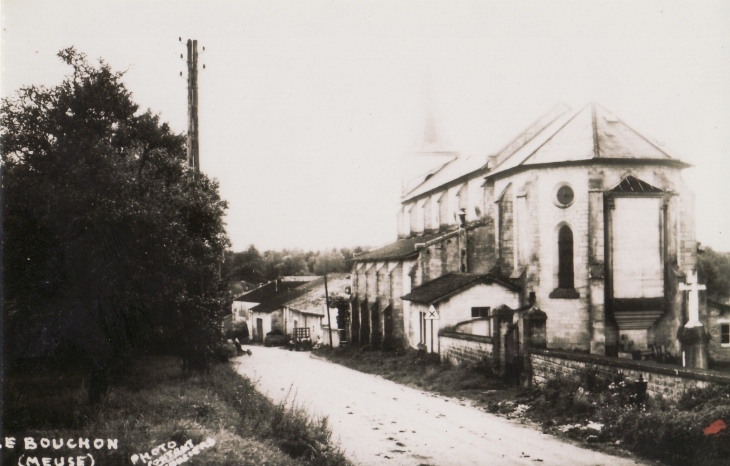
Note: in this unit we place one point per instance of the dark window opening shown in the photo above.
(725, 334)
(565, 258)
(565, 195)
(479, 312)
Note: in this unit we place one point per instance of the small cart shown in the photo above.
(300, 339)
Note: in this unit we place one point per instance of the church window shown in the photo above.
(565, 258)
(725, 334)
(563, 195)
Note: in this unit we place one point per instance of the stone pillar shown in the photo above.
(354, 336)
(501, 318)
(693, 336)
(364, 323)
(535, 328)
(596, 261)
(694, 346)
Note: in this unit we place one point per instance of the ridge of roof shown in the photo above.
(580, 136)
(399, 249)
(284, 296)
(450, 284)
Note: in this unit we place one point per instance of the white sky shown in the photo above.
(307, 106)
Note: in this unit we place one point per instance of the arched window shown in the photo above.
(565, 258)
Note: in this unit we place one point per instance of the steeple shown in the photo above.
(429, 152)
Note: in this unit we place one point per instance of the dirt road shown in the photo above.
(380, 422)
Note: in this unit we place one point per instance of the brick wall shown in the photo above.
(669, 381)
(459, 348)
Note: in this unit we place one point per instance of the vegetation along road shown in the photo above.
(381, 422)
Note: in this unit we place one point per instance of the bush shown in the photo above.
(276, 340)
(238, 330)
(671, 432)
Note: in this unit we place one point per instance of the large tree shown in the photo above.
(714, 269)
(111, 243)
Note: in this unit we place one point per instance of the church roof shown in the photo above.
(635, 185)
(563, 136)
(451, 171)
(464, 168)
(591, 133)
(447, 285)
(401, 249)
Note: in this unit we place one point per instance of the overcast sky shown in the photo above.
(307, 106)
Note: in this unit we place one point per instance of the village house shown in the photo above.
(303, 306)
(581, 224)
(260, 323)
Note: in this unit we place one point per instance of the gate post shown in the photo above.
(535, 328)
(501, 318)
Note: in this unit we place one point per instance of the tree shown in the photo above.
(713, 268)
(110, 244)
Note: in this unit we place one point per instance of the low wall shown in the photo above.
(669, 381)
(459, 348)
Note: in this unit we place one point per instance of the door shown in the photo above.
(260, 329)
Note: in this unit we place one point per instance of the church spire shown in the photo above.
(430, 151)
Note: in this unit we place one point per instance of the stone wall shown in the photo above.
(669, 381)
(459, 348)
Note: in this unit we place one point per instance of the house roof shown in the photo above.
(307, 298)
(401, 249)
(450, 284)
(591, 133)
(722, 307)
(312, 301)
(274, 288)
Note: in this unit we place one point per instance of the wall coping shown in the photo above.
(467, 337)
(645, 366)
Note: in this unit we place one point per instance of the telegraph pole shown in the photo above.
(327, 303)
(193, 130)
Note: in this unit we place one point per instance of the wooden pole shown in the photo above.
(431, 335)
(193, 145)
(327, 301)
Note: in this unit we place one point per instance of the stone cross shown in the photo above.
(693, 297)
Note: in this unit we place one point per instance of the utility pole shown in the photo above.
(327, 302)
(193, 130)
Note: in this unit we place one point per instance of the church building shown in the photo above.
(580, 219)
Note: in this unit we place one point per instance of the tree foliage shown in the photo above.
(111, 244)
(254, 266)
(713, 269)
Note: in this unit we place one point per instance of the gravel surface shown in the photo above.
(380, 422)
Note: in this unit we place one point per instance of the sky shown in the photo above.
(306, 106)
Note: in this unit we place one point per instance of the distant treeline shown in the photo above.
(256, 267)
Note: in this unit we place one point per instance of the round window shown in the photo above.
(563, 195)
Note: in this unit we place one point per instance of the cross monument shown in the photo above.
(693, 298)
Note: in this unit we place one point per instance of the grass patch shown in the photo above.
(419, 370)
(157, 404)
